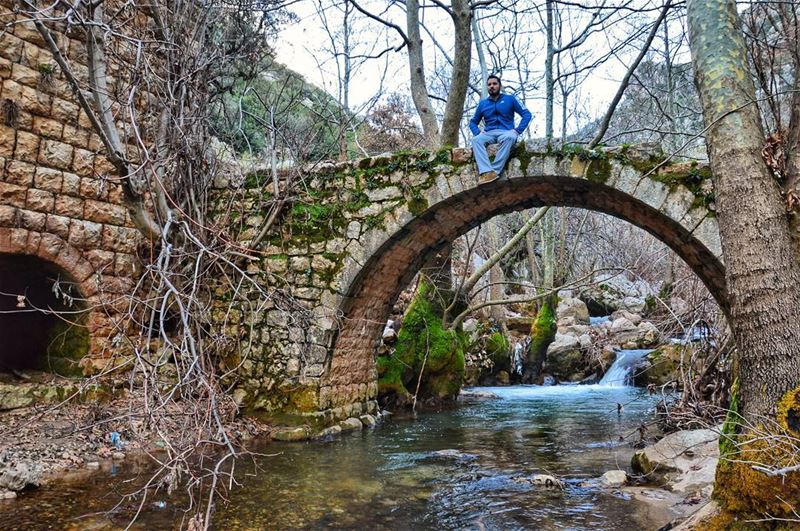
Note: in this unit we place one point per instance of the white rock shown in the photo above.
(562, 343)
(351, 424)
(575, 308)
(686, 460)
(614, 478)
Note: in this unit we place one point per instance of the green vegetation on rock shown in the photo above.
(423, 344)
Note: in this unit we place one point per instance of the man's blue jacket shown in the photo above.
(499, 114)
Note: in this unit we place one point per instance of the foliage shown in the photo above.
(281, 100)
(390, 127)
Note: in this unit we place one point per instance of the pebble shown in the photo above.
(93, 465)
(118, 456)
(8, 495)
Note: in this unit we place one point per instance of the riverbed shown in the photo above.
(466, 468)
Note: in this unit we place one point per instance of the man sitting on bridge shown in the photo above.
(497, 112)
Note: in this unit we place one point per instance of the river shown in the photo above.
(464, 468)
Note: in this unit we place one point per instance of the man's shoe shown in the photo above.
(487, 177)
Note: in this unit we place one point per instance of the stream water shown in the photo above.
(465, 468)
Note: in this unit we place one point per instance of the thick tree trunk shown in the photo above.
(762, 270)
(419, 86)
(454, 109)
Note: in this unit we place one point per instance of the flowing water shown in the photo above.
(465, 468)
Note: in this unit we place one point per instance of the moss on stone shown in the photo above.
(543, 332)
(497, 347)
(423, 345)
(68, 344)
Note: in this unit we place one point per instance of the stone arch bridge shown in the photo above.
(359, 232)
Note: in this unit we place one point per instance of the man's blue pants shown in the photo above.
(506, 139)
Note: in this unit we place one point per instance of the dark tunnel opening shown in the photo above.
(41, 318)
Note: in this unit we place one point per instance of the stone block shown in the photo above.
(13, 195)
(100, 260)
(83, 162)
(92, 188)
(76, 136)
(11, 48)
(56, 154)
(64, 110)
(34, 221)
(7, 137)
(48, 179)
(71, 184)
(120, 239)
(25, 75)
(69, 206)
(125, 265)
(20, 173)
(58, 225)
(85, 234)
(40, 200)
(34, 101)
(48, 128)
(102, 212)
(27, 146)
(8, 216)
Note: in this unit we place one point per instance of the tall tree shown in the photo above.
(762, 268)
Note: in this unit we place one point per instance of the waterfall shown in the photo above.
(620, 374)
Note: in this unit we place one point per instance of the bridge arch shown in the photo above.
(29, 263)
(383, 260)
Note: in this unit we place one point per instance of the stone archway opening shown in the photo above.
(41, 318)
(387, 269)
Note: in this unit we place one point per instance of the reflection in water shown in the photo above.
(459, 469)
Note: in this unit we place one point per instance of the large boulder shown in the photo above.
(612, 292)
(574, 309)
(686, 461)
(624, 332)
(20, 476)
(561, 344)
(662, 365)
(567, 366)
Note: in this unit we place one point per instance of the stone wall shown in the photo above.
(58, 196)
(357, 232)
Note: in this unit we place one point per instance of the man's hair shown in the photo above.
(495, 77)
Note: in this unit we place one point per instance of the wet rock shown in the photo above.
(476, 394)
(686, 461)
(329, 433)
(20, 476)
(542, 481)
(351, 424)
(566, 366)
(661, 366)
(452, 454)
(561, 344)
(503, 378)
(291, 434)
(368, 421)
(614, 478)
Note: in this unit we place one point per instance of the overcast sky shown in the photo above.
(305, 47)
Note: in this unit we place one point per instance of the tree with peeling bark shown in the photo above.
(756, 476)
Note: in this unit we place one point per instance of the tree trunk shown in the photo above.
(548, 75)
(419, 86)
(462, 57)
(762, 271)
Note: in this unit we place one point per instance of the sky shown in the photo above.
(305, 47)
